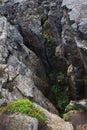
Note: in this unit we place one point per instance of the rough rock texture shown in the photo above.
(78, 119)
(74, 38)
(31, 16)
(17, 71)
(77, 114)
(58, 40)
(79, 104)
(22, 122)
(18, 122)
(54, 122)
(78, 17)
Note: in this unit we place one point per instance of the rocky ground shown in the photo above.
(43, 57)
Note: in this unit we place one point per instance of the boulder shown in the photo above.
(18, 122)
(77, 105)
(76, 114)
(54, 122)
(77, 119)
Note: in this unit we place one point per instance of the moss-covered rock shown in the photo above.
(67, 115)
(74, 108)
(26, 107)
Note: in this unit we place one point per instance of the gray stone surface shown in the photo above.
(54, 122)
(18, 122)
(78, 13)
(17, 74)
(75, 39)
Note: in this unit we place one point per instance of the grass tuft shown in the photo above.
(25, 107)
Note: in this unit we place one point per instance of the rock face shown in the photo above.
(78, 14)
(78, 119)
(18, 122)
(74, 37)
(54, 122)
(36, 37)
(22, 122)
(77, 114)
(32, 26)
(80, 104)
(57, 35)
(16, 75)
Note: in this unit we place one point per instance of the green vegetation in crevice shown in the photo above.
(26, 107)
(59, 76)
(47, 33)
(61, 97)
(58, 91)
(70, 109)
(65, 117)
(76, 107)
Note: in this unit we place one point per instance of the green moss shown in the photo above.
(47, 32)
(59, 93)
(71, 109)
(24, 107)
(75, 107)
(65, 116)
(58, 75)
(48, 37)
(61, 97)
